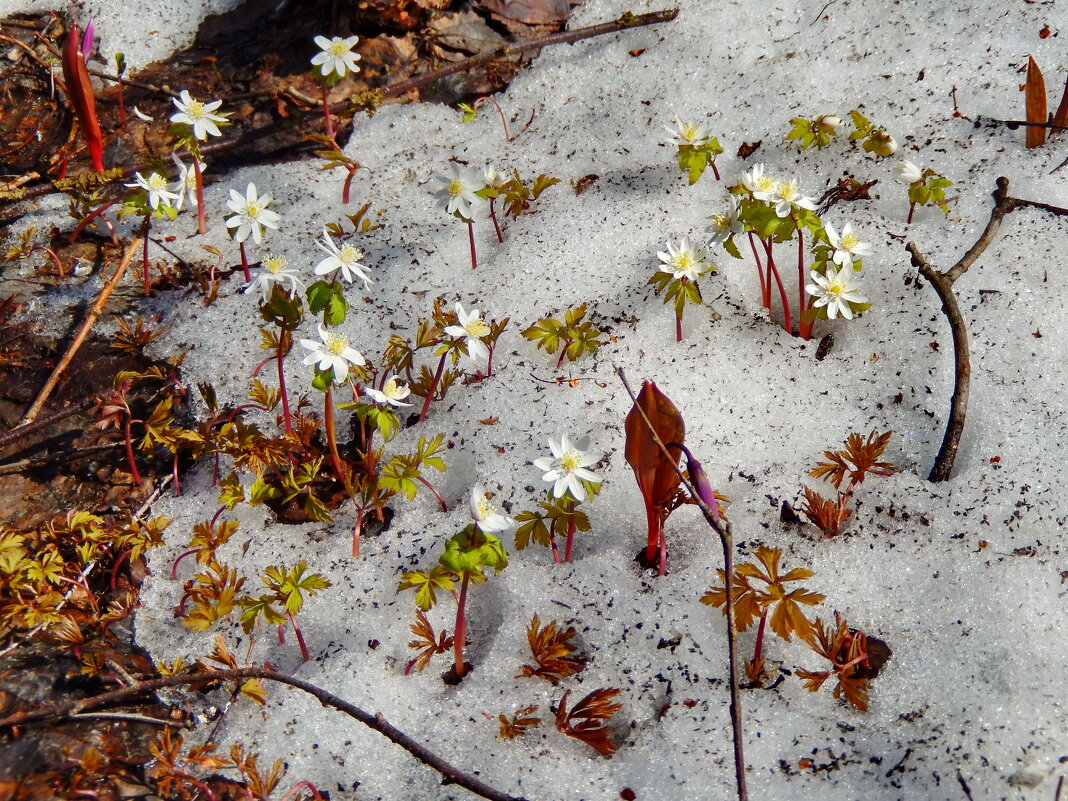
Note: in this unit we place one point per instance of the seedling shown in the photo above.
(858, 459)
(926, 187)
(585, 720)
(696, 149)
(855, 660)
(873, 139)
(573, 336)
(464, 561)
(519, 723)
(678, 274)
(552, 649)
(428, 644)
(818, 132)
(286, 588)
(753, 602)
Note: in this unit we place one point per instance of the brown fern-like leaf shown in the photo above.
(583, 721)
(747, 608)
(824, 512)
(429, 643)
(552, 651)
(864, 454)
(520, 722)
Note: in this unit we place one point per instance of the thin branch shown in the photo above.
(127, 717)
(83, 332)
(723, 528)
(67, 709)
(15, 434)
(942, 282)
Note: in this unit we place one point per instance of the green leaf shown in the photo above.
(732, 247)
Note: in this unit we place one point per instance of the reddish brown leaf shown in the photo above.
(552, 651)
(1035, 104)
(80, 91)
(520, 722)
(655, 474)
(1061, 116)
(583, 721)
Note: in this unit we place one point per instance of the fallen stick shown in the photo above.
(68, 709)
(94, 314)
(942, 282)
(723, 528)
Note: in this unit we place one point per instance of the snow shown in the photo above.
(974, 694)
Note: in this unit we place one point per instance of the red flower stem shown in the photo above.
(196, 783)
(460, 633)
(715, 172)
(244, 262)
(300, 785)
(326, 116)
(804, 327)
(493, 216)
(773, 271)
(765, 288)
(202, 219)
(912, 208)
(433, 388)
(331, 438)
(174, 474)
(489, 363)
(652, 533)
(471, 239)
(429, 486)
(129, 451)
(758, 650)
(97, 212)
(555, 549)
(304, 655)
(287, 417)
(118, 563)
(662, 539)
(122, 104)
(678, 328)
(146, 284)
(52, 254)
(174, 566)
(348, 183)
(570, 537)
(563, 352)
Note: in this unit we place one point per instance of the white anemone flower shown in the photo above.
(566, 468)
(474, 328)
(347, 258)
(685, 261)
(336, 56)
(492, 177)
(485, 514)
(835, 290)
(156, 187)
(906, 172)
(332, 354)
(275, 270)
(762, 185)
(199, 115)
(391, 393)
(788, 196)
(832, 123)
(724, 226)
(847, 246)
(251, 214)
(693, 134)
(456, 192)
(186, 185)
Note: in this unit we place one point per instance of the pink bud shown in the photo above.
(87, 42)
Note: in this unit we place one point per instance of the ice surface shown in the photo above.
(975, 691)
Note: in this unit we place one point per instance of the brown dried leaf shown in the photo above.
(1060, 117)
(824, 513)
(552, 651)
(427, 642)
(582, 722)
(1035, 104)
(520, 722)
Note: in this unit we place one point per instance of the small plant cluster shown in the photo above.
(772, 210)
(62, 580)
(858, 459)
(555, 660)
(761, 596)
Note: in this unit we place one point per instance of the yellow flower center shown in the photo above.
(690, 132)
(765, 183)
(455, 188)
(350, 254)
(195, 109)
(720, 222)
(338, 49)
(476, 327)
(683, 261)
(156, 182)
(336, 343)
(274, 264)
(850, 241)
(253, 210)
(788, 190)
(570, 461)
